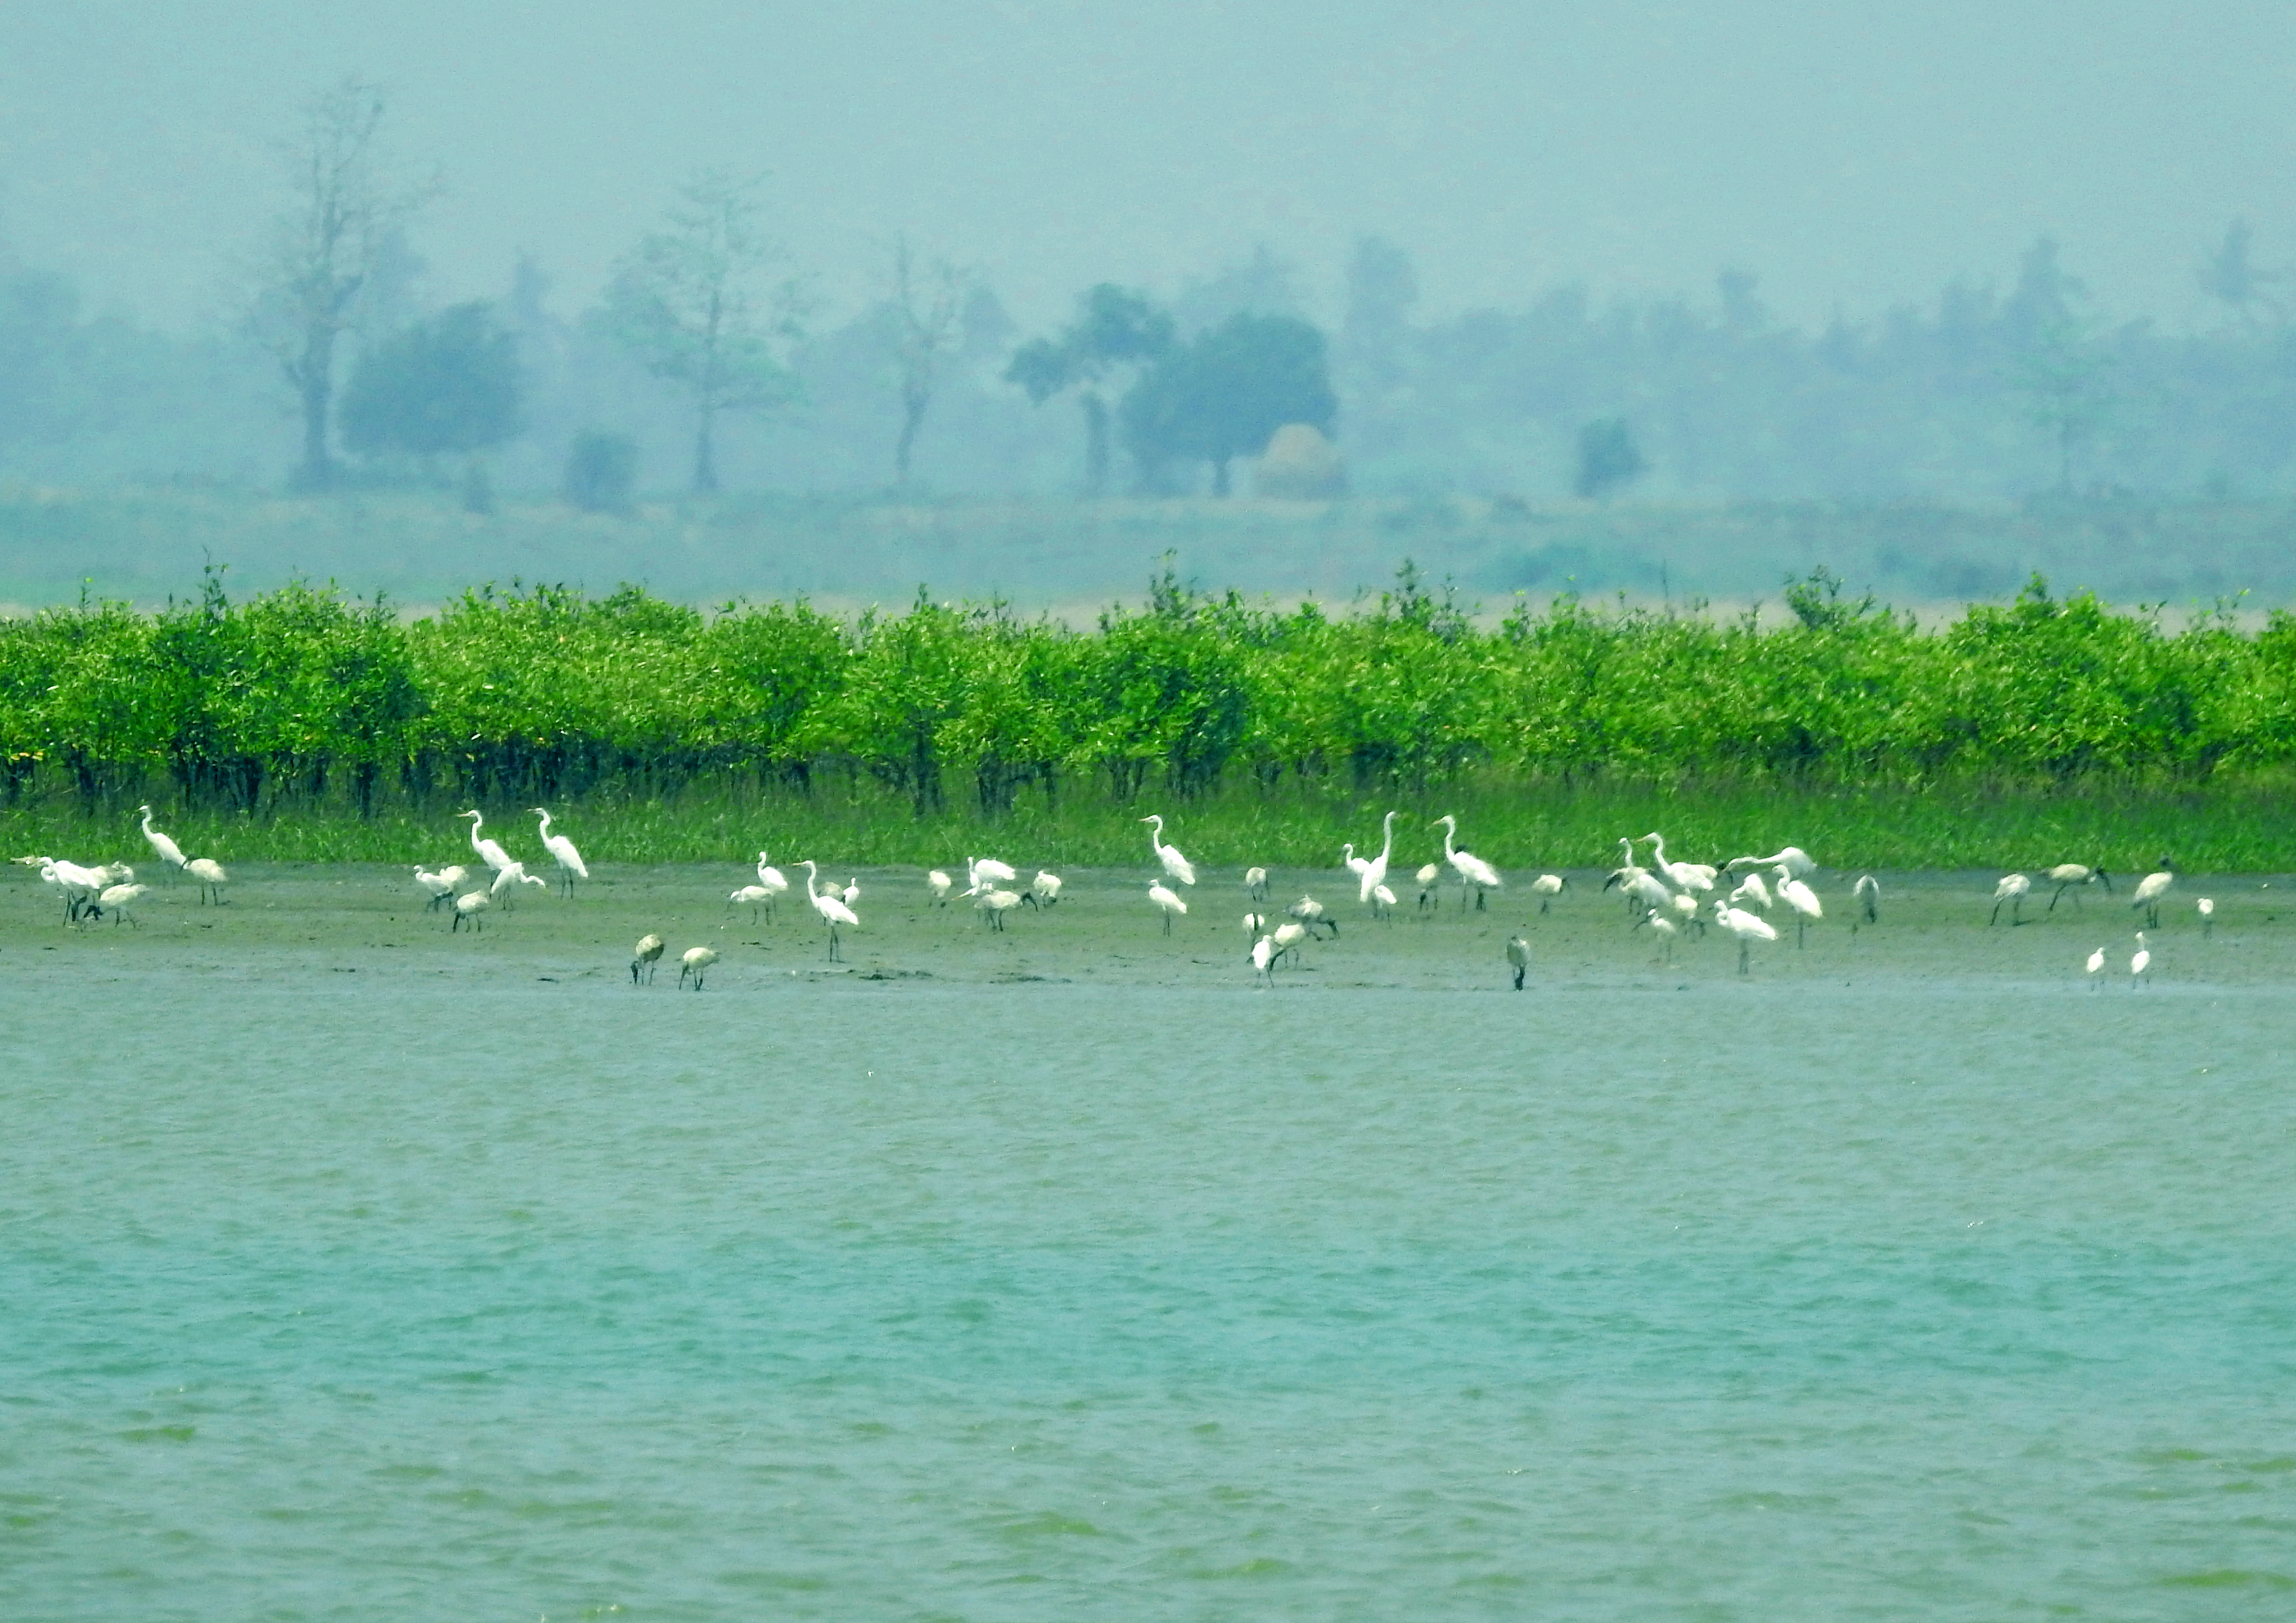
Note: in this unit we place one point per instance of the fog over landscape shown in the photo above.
(1664, 299)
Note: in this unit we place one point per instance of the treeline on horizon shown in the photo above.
(304, 700)
(341, 368)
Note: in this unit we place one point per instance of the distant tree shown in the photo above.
(707, 304)
(1114, 327)
(2058, 365)
(343, 226)
(2230, 276)
(1225, 395)
(602, 471)
(1382, 288)
(928, 313)
(1609, 459)
(447, 386)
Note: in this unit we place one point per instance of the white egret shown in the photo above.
(1518, 954)
(2069, 876)
(1044, 891)
(1751, 889)
(2095, 969)
(1641, 889)
(1664, 928)
(695, 961)
(79, 886)
(1793, 859)
(2151, 889)
(644, 956)
(1474, 871)
(1801, 898)
(212, 878)
(438, 887)
(2013, 890)
(165, 849)
(508, 880)
(1175, 866)
(773, 879)
(1685, 909)
(752, 897)
(832, 909)
(1681, 876)
(996, 903)
(852, 894)
(1430, 894)
(1383, 901)
(940, 884)
(467, 908)
(570, 866)
(1167, 901)
(489, 852)
(2140, 962)
(1374, 872)
(2207, 908)
(1749, 928)
(983, 871)
(1547, 887)
(1255, 884)
(1264, 954)
(1867, 894)
(1352, 862)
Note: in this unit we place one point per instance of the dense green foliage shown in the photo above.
(299, 699)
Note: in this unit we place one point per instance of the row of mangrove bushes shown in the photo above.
(303, 695)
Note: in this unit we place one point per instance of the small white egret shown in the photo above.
(1751, 889)
(1547, 887)
(508, 880)
(1747, 927)
(1264, 954)
(438, 887)
(1430, 892)
(1167, 901)
(165, 849)
(832, 909)
(212, 878)
(753, 897)
(1664, 928)
(2095, 969)
(1802, 899)
(1175, 866)
(2012, 891)
(1518, 954)
(1383, 902)
(2140, 962)
(695, 961)
(2151, 889)
(467, 908)
(1474, 873)
(644, 956)
(2069, 876)
(940, 884)
(489, 852)
(772, 880)
(2207, 908)
(570, 866)
(852, 894)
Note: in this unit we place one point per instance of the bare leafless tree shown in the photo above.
(324, 251)
(928, 312)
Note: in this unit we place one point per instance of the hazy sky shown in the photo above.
(1850, 155)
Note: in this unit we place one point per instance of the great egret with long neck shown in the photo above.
(1374, 872)
(489, 852)
(1474, 873)
(832, 908)
(570, 866)
(165, 849)
(1175, 866)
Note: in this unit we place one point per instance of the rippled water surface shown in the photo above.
(388, 1295)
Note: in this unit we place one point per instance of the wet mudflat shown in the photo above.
(356, 1267)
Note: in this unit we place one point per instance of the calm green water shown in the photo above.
(392, 1296)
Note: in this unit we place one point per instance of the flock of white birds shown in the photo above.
(1666, 896)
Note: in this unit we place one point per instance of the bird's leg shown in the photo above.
(1743, 949)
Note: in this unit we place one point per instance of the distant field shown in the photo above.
(145, 545)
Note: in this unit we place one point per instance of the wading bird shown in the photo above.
(1641, 889)
(467, 909)
(1287, 938)
(1373, 873)
(212, 878)
(1255, 885)
(508, 880)
(832, 909)
(1383, 901)
(562, 852)
(1474, 873)
(981, 871)
(118, 899)
(996, 903)
(1311, 917)
(2012, 889)
(752, 897)
(2095, 969)
(438, 887)
(1175, 866)
(1867, 894)
(1664, 928)
(1264, 954)
(644, 956)
(1747, 927)
(2151, 889)
(1691, 876)
(1751, 889)
(1793, 859)
(852, 894)
(940, 884)
(2140, 962)
(77, 885)
(1044, 891)
(2207, 908)
(2069, 876)
(1802, 899)
(695, 961)
(165, 849)
(772, 880)
(1518, 952)
(1255, 924)
(1431, 887)
(1547, 887)
(1167, 901)
(489, 852)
